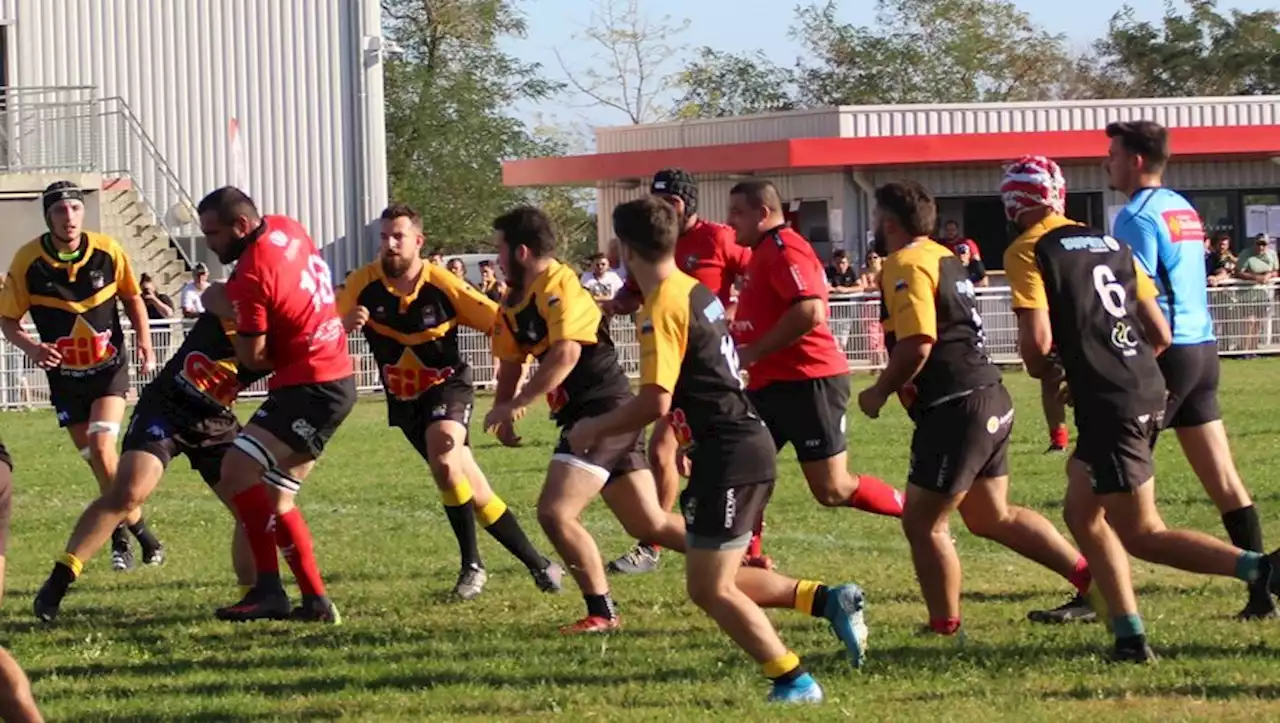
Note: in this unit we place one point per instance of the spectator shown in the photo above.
(600, 280)
(870, 280)
(159, 306)
(841, 276)
(868, 335)
(951, 238)
(972, 264)
(436, 257)
(189, 295)
(490, 285)
(1258, 264)
(458, 268)
(1220, 263)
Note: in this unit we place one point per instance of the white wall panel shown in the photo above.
(747, 129)
(289, 70)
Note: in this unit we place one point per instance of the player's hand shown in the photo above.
(147, 357)
(502, 414)
(684, 465)
(622, 305)
(871, 400)
(747, 355)
(1064, 395)
(506, 434)
(583, 436)
(355, 319)
(46, 356)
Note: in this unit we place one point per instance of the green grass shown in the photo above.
(143, 646)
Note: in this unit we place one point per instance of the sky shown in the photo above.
(749, 25)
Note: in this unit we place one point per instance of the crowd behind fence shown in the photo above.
(1244, 320)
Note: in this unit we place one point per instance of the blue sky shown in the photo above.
(747, 25)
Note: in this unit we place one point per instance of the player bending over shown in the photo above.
(410, 312)
(962, 412)
(1084, 290)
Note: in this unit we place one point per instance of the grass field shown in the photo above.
(143, 646)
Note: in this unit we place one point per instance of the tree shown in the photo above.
(447, 100)
(1200, 53)
(629, 69)
(719, 84)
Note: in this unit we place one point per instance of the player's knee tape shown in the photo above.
(282, 480)
(108, 428)
(256, 451)
(86, 453)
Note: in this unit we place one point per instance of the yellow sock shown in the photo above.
(491, 512)
(458, 495)
(73, 563)
(779, 667)
(805, 591)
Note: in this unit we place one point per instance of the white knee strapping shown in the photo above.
(282, 480)
(256, 451)
(109, 428)
(86, 453)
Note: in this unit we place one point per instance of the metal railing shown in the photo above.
(1245, 320)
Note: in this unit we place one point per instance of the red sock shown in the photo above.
(755, 548)
(294, 539)
(945, 626)
(876, 496)
(1080, 576)
(257, 512)
(1060, 436)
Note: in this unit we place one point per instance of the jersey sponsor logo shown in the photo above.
(714, 311)
(557, 398)
(900, 285)
(327, 333)
(965, 289)
(429, 318)
(1122, 338)
(304, 429)
(680, 426)
(730, 508)
(97, 279)
(1184, 226)
(1092, 244)
(215, 379)
(690, 262)
(409, 378)
(798, 277)
(994, 423)
(84, 348)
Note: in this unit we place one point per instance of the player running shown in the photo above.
(1166, 235)
(410, 312)
(689, 371)
(962, 411)
(798, 379)
(70, 279)
(185, 410)
(707, 252)
(281, 299)
(1085, 291)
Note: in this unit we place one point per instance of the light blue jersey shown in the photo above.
(1167, 238)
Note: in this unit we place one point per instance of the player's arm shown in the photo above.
(627, 301)
(913, 317)
(15, 302)
(17, 704)
(247, 296)
(797, 283)
(1158, 333)
(130, 294)
(1031, 305)
(472, 308)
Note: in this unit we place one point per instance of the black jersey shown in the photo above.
(1090, 284)
(203, 378)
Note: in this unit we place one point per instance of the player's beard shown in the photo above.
(393, 267)
(880, 242)
(233, 251)
(515, 273)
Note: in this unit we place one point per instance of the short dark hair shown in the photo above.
(759, 194)
(1143, 138)
(597, 256)
(484, 264)
(839, 254)
(951, 222)
(228, 204)
(647, 226)
(529, 227)
(436, 252)
(145, 278)
(402, 210)
(910, 204)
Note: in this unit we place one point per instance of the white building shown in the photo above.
(157, 102)
(827, 162)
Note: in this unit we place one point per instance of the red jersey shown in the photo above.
(783, 270)
(282, 288)
(709, 252)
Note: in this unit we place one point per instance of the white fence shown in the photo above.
(1245, 317)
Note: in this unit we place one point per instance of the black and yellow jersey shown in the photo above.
(73, 301)
(1091, 284)
(686, 349)
(414, 336)
(551, 308)
(203, 378)
(926, 291)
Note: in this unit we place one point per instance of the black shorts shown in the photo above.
(447, 402)
(157, 429)
(722, 518)
(306, 416)
(809, 414)
(742, 457)
(73, 397)
(1191, 378)
(962, 440)
(1117, 449)
(5, 458)
(614, 456)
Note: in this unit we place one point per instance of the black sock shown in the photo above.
(1244, 529)
(145, 537)
(507, 531)
(268, 582)
(463, 523)
(790, 676)
(61, 577)
(600, 606)
(820, 601)
(120, 538)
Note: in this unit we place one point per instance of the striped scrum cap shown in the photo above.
(1032, 182)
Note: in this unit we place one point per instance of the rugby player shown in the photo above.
(70, 279)
(798, 379)
(962, 412)
(185, 410)
(6, 507)
(281, 298)
(707, 252)
(410, 313)
(689, 370)
(1165, 233)
(1084, 291)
